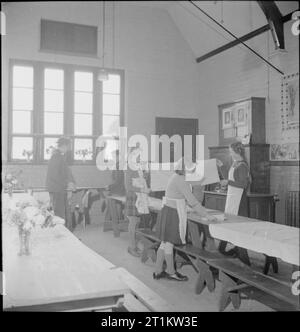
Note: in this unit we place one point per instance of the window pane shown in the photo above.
(54, 79)
(21, 122)
(49, 145)
(111, 104)
(23, 76)
(83, 102)
(23, 99)
(83, 149)
(21, 145)
(112, 85)
(53, 123)
(111, 125)
(83, 81)
(83, 124)
(54, 101)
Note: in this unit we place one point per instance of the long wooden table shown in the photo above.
(274, 240)
(61, 274)
(198, 228)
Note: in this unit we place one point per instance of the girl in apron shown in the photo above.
(136, 200)
(171, 227)
(238, 181)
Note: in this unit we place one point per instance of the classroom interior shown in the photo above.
(227, 70)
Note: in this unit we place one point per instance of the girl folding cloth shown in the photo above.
(171, 227)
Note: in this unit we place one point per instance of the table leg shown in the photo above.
(222, 246)
(114, 216)
(243, 255)
(195, 234)
(210, 244)
(270, 261)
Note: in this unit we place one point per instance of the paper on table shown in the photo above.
(207, 169)
(220, 217)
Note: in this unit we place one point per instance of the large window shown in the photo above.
(83, 115)
(49, 100)
(22, 112)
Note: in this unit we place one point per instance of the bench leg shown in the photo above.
(205, 278)
(184, 259)
(270, 261)
(149, 250)
(226, 296)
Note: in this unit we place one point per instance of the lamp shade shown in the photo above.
(102, 75)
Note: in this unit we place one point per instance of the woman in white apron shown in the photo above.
(238, 181)
(171, 227)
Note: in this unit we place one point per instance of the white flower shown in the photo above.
(39, 219)
(27, 226)
(31, 212)
(8, 177)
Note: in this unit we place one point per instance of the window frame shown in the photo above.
(37, 124)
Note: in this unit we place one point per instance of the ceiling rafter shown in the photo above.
(275, 20)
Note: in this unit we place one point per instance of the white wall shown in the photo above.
(160, 70)
(236, 74)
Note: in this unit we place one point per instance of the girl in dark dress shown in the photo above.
(238, 182)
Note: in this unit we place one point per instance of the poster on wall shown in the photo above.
(284, 152)
(228, 118)
(290, 103)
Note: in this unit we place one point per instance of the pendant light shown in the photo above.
(103, 74)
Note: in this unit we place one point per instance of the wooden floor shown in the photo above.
(179, 294)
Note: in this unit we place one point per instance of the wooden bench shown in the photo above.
(141, 298)
(132, 304)
(237, 278)
(199, 258)
(150, 243)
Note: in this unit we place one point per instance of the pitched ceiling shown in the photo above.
(203, 35)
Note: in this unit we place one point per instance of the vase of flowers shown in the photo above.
(28, 214)
(24, 237)
(18, 217)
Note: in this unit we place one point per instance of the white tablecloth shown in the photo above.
(60, 268)
(275, 240)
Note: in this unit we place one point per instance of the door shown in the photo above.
(177, 126)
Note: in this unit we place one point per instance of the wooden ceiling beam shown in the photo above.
(244, 38)
(275, 20)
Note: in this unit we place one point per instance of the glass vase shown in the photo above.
(24, 238)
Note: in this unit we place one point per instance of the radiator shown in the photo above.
(292, 208)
